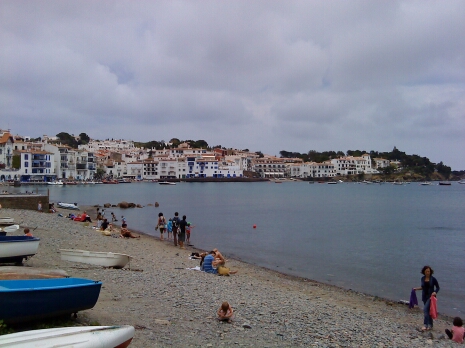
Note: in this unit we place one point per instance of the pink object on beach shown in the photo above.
(433, 307)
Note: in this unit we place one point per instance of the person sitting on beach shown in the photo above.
(207, 265)
(104, 225)
(225, 312)
(27, 232)
(457, 334)
(83, 218)
(125, 233)
(219, 259)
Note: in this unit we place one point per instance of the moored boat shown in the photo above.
(97, 258)
(425, 183)
(166, 183)
(59, 182)
(445, 183)
(16, 248)
(76, 336)
(30, 299)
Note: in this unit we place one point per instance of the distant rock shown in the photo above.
(131, 205)
(139, 206)
(107, 205)
(156, 204)
(123, 205)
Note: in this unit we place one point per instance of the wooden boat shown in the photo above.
(21, 272)
(6, 221)
(77, 337)
(24, 300)
(97, 258)
(166, 183)
(16, 248)
(63, 205)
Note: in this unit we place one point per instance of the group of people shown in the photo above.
(429, 287)
(176, 228)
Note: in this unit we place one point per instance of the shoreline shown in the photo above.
(171, 305)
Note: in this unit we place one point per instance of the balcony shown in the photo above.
(81, 165)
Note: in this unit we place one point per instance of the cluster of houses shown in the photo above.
(48, 160)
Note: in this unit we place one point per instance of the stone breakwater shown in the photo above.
(171, 306)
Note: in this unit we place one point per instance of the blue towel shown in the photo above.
(413, 299)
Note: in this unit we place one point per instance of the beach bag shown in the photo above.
(223, 271)
(433, 307)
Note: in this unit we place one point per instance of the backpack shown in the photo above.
(161, 222)
(175, 222)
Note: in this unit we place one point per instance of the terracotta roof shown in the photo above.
(5, 137)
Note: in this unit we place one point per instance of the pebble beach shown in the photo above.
(171, 305)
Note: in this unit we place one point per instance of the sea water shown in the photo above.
(373, 238)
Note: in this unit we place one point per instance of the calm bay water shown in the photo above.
(370, 238)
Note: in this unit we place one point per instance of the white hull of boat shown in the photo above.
(7, 220)
(67, 206)
(55, 183)
(97, 258)
(11, 228)
(19, 248)
(76, 337)
(166, 183)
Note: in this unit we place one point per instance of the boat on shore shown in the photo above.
(8, 229)
(97, 258)
(13, 249)
(6, 221)
(72, 206)
(75, 336)
(31, 299)
(22, 272)
(166, 183)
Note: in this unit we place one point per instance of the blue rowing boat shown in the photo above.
(31, 299)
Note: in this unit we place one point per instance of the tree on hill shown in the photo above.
(83, 139)
(67, 139)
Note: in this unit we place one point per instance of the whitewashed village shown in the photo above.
(48, 160)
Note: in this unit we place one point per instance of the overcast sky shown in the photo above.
(263, 75)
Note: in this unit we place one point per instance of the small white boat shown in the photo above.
(9, 229)
(461, 182)
(16, 248)
(97, 258)
(425, 183)
(6, 220)
(59, 182)
(73, 206)
(166, 183)
(77, 337)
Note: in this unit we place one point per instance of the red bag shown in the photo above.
(433, 307)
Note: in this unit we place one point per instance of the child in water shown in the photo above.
(457, 334)
(225, 312)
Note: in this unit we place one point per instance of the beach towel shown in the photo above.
(433, 307)
(413, 299)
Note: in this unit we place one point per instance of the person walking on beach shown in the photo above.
(169, 228)
(39, 206)
(429, 287)
(175, 224)
(182, 232)
(161, 224)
